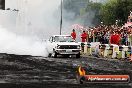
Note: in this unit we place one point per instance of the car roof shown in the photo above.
(60, 35)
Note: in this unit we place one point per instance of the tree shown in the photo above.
(108, 12)
(74, 5)
(95, 8)
(123, 9)
(115, 10)
(85, 11)
(95, 12)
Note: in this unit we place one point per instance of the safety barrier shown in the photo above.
(115, 51)
(90, 48)
(107, 50)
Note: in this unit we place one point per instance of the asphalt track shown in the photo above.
(24, 71)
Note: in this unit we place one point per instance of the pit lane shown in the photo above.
(25, 70)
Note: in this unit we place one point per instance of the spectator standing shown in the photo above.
(84, 36)
(73, 34)
(115, 38)
(84, 39)
(118, 38)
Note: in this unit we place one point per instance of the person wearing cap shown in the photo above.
(73, 34)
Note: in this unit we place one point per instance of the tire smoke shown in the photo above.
(22, 32)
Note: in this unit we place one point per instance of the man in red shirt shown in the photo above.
(73, 34)
(84, 36)
(118, 38)
(84, 39)
(115, 38)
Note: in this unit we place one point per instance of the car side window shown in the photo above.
(51, 38)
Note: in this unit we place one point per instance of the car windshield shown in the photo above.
(63, 39)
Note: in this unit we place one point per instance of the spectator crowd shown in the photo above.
(107, 35)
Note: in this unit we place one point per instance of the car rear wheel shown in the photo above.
(78, 55)
(49, 55)
(54, 54)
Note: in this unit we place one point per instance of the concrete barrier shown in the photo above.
(107, 50)
(90, 48)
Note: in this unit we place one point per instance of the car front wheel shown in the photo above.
(78, 55)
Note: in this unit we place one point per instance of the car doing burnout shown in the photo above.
(63, 45)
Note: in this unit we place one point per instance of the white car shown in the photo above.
(63, 45)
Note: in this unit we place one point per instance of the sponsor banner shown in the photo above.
(107, 78)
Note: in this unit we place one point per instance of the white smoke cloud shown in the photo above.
(12, 44)
(36, 17)
(22, 32)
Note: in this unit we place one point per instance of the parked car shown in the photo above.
(63, 45)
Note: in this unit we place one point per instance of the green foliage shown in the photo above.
(107, 12)
(75, 5)
(83, 10)
(94, 7)
(115, 10)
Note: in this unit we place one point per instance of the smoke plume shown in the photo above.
(23, 32)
